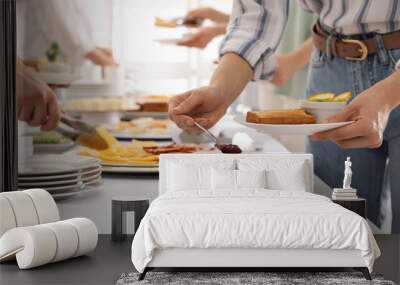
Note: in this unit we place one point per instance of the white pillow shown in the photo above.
(282, 174)
(186, 175)
(251, 179)
(223, 179)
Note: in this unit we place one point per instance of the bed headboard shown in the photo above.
(288, 159)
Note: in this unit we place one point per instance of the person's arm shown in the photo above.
(36, 102)
(370, 110)
(204, 35)
(246, 52)
(206, 105)
(102, 57)
(207, 13)
(288, 64)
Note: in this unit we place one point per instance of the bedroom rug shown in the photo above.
(244, 278)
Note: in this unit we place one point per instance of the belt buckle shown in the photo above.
(363, 49)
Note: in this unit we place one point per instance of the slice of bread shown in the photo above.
(284, 116)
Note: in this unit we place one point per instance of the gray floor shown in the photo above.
(110, 260)
(103, 266)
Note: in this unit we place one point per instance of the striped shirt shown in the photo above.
(256, 26)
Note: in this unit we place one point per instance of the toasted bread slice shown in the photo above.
(288, 116)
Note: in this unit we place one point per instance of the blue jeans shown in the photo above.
(334, 74)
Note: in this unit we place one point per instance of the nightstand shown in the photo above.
(358, 206)
(121, 205)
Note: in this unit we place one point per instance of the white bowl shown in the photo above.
(101, 118)
(55, 67)
(321, 110)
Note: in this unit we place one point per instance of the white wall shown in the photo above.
(100, 13)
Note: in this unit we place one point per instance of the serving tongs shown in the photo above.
(82, 133)
(182, 21)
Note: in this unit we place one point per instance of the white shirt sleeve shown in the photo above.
(66, 23)
(254, 33)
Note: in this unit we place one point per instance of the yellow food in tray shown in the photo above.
(143, 126)
(125, 154)
(100, 104)
(330, 97)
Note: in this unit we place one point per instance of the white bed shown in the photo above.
(194, 223)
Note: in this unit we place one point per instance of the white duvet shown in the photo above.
(250, 219)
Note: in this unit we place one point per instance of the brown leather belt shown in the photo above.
(353, 49)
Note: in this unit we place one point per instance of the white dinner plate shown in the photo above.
(128, 169)
(76, 186)
(48, 148)
(89, 85)
(87, 171)
(93, 181)
(129, 115)
(59, 78)
(84, 177)
(53, 164)
(305, 129)
(145, 136)
(108, 164)
(42, 184)
(80, 185)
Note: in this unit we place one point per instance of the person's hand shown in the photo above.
(370, 112)
(284, 70)
(102, 57)
(202, 37)
(209, 13)
(36, 102)
(205, 105)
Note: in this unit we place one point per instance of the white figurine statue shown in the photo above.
(348, 173)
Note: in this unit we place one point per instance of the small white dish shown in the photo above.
(47, 148)
(173, 40)
(55, 67)
(61, 79)
(89, 84)
(321, 110)
(305, 129)
(101, 117)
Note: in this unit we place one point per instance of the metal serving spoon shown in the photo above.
(207, 132)
(224, 148)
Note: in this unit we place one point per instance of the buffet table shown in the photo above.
(96, 203)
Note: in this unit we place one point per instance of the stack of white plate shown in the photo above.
(62, 176)
(90, 89)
